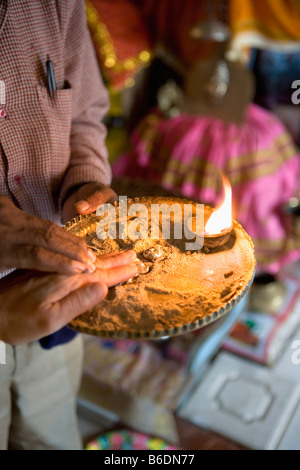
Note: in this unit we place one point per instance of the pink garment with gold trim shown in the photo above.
(186, 154)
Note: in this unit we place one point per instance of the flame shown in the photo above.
(221, 218)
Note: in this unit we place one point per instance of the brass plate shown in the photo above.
(85, 226)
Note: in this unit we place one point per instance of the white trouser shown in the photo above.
(38, 390)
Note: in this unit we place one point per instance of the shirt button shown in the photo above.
(2, 113)
(17, 179)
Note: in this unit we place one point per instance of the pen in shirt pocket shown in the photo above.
(50, 76)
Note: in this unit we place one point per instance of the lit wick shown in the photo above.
(219, 226)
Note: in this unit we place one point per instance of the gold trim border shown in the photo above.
(106, 49)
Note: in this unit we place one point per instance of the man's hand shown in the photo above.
(87, 199)
(32, 243)
(37, 307)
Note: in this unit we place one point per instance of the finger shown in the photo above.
(116, 259)
(75, 303)
(119, 274)
(53, 239)
(91, 202)
(53, 287)
(36, 257)
(58, 286)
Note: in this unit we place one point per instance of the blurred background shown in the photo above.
(199, 88)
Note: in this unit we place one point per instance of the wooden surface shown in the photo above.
(194, 438)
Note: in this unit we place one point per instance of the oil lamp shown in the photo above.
(218, 228)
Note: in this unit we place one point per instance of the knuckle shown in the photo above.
(81, 243)
(50, 232)
(99, 263)
(44, 320)
(21, 232)
(36, 253)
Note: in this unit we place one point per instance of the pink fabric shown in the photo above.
(185, 154)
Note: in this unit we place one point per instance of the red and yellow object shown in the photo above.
(121, 40)
(267, 23)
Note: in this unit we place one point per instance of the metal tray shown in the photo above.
(82, 226)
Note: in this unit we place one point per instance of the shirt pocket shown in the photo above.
(56, 113)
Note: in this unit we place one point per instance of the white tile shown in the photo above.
(245, 402)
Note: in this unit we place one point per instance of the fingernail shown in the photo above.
(131, 255)
(92, 256)
(78, 267)
(82, 205)
(90, 267)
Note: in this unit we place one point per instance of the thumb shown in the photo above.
(81, 300)
(93, 196)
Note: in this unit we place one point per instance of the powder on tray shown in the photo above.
(179, 287)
